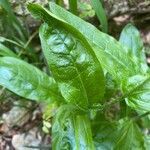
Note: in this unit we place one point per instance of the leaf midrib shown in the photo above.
(79, 74)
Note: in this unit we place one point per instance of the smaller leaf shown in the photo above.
(62, 128)
(137, 92)
(71, 130)
(130, 38)
(27, 81)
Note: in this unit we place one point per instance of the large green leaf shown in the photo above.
(27, 81)
(123, 134)
(132, 41)
(109, 52)
(71, 60)
(71, 130)
(120, 62)
(137, 92)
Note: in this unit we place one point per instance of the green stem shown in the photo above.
(101, 14)
(10, 41)
(73, 6)
(141, 116)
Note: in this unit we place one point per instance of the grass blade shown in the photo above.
(73, 6)
(101, 14)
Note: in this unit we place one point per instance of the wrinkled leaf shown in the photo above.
(71, 130)
(109, 52)
(71, 60)
(27, 81)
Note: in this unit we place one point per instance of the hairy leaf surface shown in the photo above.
(71, 60)
(27, 81)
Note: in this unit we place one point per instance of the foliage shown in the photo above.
(14, 34)
(100, 12)
(99, 86)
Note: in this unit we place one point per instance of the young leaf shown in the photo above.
(5, 51)
(137, 91)
(109, 52)
(124, 134)
(71, 60)
(100, 12)
(27, 81)
(131, 40)
(71, 130)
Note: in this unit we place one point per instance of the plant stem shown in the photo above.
(141, 116)
(73, 6)
(59, 2)
(10, 41)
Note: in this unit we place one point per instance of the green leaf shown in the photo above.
(100, 12)
(130, 38)
(27, 81)
(109, 52)
(137, 88)
(124, 135)
(137, 92)
(13, 22)
(147, 142)
(71, 60)
(5, 51)
(71, 130)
